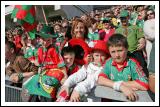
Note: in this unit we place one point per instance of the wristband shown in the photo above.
(20, 77)
(116, 85)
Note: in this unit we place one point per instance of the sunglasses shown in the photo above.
(106, 21)
(65, 26)
(123, 18)
(150, 14)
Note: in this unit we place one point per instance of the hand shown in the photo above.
(129, 93)
(14, 77)
(75, 97)
(64, 88)
(142, 43)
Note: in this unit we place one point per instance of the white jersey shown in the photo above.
(84, 79)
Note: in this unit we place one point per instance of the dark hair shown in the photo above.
(151, 10)
(96, 15)
(67, 49)
(117, 40)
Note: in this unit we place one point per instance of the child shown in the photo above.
(121, 72)
(85, 78)
(68, 55)
(52, 69)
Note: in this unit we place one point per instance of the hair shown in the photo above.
(74, 26)
(96, 15)
(151, 10)
(117, 40)
(67, 49)
(57, 24)
(93, 21)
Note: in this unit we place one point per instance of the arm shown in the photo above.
(17, 77)
(73, 80)
(85, 86)
(76, 77)
(65, 75)
(90, 82)
(23, 68)
(127, 91)
(139, 79)
(134, 85)
(140, 38)
(105, 82)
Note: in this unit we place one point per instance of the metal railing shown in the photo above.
(12, 94)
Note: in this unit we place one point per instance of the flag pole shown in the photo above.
(44, 16)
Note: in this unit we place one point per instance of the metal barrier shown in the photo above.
(109, 93)
(12, 93)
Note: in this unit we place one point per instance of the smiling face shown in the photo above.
(118, 53)
(79, 30)
(150, 15)
(57, 28)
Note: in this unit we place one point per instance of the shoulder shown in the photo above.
(109, 60)
(101, 31)
(134, 61)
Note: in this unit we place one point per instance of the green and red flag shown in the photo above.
(25, 15)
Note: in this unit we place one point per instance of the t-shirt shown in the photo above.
(131, 71)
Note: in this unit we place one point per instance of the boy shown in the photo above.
(68, 55)
(85, 78)
(121, 72)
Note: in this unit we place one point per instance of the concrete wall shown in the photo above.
(72, 11)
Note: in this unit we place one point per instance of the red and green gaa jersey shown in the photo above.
(131, 71)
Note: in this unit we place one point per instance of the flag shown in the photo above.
(25, 15)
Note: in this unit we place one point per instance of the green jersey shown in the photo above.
(133, 34)
(131, 71)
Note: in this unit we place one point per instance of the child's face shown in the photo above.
(69, 59)
(99, 57)
(118, 53)
(79, 30)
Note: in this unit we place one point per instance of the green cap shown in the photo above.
(106, 18)
(47, 32)
(124, 13)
